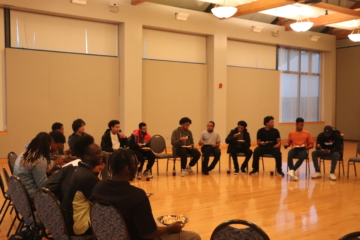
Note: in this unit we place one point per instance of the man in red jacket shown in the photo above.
(139, 143)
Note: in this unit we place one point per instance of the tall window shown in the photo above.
(300, 84)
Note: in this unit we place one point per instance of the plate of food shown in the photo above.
(145, 148)
(169, 219)
(241, 140)
(300, 146)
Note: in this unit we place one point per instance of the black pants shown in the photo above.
(299, 153)
(183, 152)
(261, 150)
(141, 155)
(206, 151)
(248, 153)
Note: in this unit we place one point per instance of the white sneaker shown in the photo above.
(291, 173)
(183, 172)
(316, 175)
(294, 178)
(139, 175)
(332, 176)
(190, 171)
(147, 173)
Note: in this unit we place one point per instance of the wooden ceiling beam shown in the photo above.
(337, 9)
(137, 2)
(324, 20)
(260, 5)
(341, 34)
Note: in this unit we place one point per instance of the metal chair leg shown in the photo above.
(157, 166)
(11, 226)
(167, 165)
(6, 209)
(348, 170)
(219, 165)
(355, 169)
(229, 163)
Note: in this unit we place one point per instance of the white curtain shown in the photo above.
(300, 84)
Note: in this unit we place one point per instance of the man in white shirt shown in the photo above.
(210, 142)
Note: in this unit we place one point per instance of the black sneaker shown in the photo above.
(253, 172)
(281, 173)
(205, 172)
(236, 172)
(243, 171)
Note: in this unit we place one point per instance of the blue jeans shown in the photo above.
(299, 153)
(320, 154)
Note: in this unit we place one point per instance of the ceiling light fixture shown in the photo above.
(355, 35)
(226, 11)
(301, 25)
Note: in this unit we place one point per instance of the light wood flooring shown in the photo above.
(307, 209)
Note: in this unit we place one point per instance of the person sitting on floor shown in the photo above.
(132, 202)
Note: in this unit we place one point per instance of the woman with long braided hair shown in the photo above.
(31, 166)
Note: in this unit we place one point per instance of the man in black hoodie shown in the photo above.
(239, 142)
(113, 138)
(328, 144)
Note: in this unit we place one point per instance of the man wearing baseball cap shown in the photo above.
(327, 145)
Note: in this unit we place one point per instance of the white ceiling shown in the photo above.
(265, 16)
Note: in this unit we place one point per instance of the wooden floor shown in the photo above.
(307, 209)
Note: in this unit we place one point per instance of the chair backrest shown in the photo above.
(6, 174)
(158, 144)
(2, 186)
(351, 236)
(225, 231)
(49, 211)
(21, 200)
(115, 227)
(358, 150)
(11, 161)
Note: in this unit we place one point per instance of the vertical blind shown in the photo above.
(300, 84)
(44, 32)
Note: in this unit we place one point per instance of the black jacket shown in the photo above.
(67, 182)
(106, 143)
(333, 143)
(233, 143)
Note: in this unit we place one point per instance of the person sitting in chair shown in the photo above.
(183, 145)
(239, 142)
(328, 144)
(210, 142)
(132, 202)
(301, 141)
